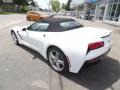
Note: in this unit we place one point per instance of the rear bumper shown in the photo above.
(98, 58)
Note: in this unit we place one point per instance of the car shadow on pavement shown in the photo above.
(94, 77)
(97, 77)
(34, 53)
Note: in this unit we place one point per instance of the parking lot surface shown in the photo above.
(24, 69)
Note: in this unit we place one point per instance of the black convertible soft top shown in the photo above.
(57, 20)
(54, 24)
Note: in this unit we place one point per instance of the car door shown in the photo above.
(23, 36)
(35, 16)
(37, 34)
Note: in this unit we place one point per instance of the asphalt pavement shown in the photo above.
(24, 69)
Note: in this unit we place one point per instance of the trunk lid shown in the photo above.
(88, 34)
(93, 31)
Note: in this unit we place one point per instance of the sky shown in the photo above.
(45, 3)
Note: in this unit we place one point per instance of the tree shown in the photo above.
(55, 5)
(64, 6)
(1, 1)
(20, 2)
(33, 3)
(68, 5)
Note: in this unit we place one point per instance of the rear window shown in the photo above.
(68, 25)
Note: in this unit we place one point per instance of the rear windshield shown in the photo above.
(69, 25)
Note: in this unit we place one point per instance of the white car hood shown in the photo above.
(19, 28)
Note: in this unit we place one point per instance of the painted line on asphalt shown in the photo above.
(60, 82)
(55, 80)
(50, 79)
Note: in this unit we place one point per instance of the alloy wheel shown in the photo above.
(56, 60)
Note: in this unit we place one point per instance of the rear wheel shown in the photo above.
(14, 37)
(58, 60)
(28, 18)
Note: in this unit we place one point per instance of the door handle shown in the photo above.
(44, 35)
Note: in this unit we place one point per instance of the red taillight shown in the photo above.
(95, 45)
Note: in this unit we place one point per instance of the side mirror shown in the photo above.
(24, 29)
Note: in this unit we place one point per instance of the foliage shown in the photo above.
(1, 2)
(33, 3)
(68, 5)
(21, 5)
(6, 13)
(20, 2)
(24, 9)
(63, 6)
(55, 5)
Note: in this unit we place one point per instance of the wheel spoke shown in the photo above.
(58, 66)
(56, 55)
(53, 59)
(60, 62)
(53, 62)
(52, 56)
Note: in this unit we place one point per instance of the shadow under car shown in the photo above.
(94, 77)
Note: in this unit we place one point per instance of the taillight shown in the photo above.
(96, 45)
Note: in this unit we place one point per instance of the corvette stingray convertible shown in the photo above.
(64, 42)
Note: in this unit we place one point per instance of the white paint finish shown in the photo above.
(73, 43)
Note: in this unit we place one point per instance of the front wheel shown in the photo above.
(58, 60)
(14, 37)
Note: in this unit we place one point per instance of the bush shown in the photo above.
(23, 9)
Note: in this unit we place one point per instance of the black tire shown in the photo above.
(15, 41)
(28, 18)
(66, 65)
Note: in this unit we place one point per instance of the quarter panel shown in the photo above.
(74, 46)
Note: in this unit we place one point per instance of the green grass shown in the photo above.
(6, 13)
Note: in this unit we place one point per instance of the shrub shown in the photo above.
(23, 9)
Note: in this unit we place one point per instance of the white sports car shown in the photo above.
(64, 42)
